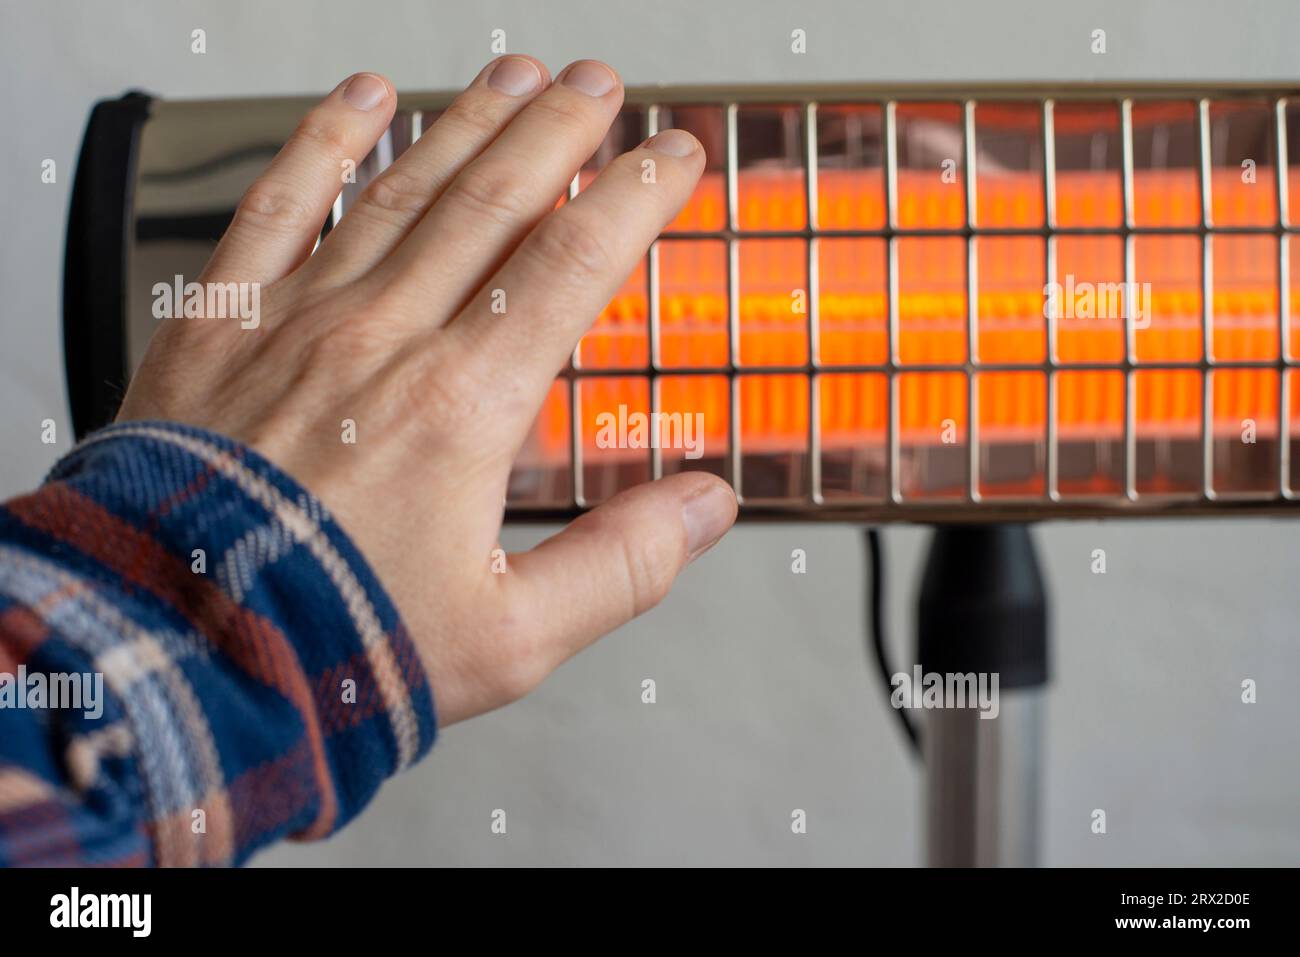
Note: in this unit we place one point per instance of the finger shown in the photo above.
(280, 217)
(616, 561)
(502, 194)
(574, 262)
(395, 201)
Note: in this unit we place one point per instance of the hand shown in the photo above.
(390, 324)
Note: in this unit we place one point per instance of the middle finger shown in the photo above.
(497, 199)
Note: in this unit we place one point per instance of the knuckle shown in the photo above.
(632, 165)
(372, 341)
(317, 132)
(271, 205)
(494, 191)
(648, 577)
(446, 387)
(573, 113)
(341, 340)
(397, 192)
(572, 246)
(472, 113)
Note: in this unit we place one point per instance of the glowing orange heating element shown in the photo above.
(1088, 296)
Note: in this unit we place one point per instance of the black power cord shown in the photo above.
(876, 626)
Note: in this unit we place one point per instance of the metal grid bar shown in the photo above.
(1051, 483)
(1207, 297)
(1282, 164)
(652, 320)
(972, 305)
(893, 490)
(652, 271)
(1190, 365)
(733, 469)
(575, 444)
(1284, 436)
(966, 232)
(812, 306)
(1130, 336)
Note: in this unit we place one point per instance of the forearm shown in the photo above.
(256, 679)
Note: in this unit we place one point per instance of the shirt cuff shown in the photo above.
(282, 686)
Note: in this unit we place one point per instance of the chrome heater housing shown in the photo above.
(159, 181)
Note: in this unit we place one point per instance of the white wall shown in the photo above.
(765, 699)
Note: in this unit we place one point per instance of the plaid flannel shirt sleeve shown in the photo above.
(257, 682)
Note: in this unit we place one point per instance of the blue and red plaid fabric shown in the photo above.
(257, 680)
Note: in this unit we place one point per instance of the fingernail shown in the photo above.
(707, 515)
(590, 77)
(365, 91)
(515, 76)
(673, 143)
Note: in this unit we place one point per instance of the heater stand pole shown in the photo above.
(982, 610)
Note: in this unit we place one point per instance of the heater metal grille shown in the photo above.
(945, 397)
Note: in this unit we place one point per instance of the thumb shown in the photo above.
(618, 560)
